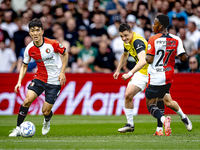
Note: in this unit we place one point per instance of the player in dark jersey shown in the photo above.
(49, 77)
(162, 49)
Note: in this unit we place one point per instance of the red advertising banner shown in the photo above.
(96, 94)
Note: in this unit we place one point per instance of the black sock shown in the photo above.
(48, 117)
(155, 111)
(23, 111)
(161, 106)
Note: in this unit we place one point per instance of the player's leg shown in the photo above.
(174, 106)
(154, 93)
(51, 94)
(23, 111)
(136, 84)
(131, 91)
(159, 129)
(34, 90)
(46, 110)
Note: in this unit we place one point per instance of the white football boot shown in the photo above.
(187, 123)
(15, 132)
(46, 127)
(126, 128)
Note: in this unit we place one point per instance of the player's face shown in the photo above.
(36, 34)
(126, 36)
(156, 26)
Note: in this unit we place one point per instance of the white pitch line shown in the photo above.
(89, 141)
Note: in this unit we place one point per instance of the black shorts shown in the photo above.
(51, 91)
(153, 91)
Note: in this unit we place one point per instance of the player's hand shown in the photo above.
(17, 87)
(115, 75)
(125, 76)
(62, 79)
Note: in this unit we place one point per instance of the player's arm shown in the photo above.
(22, 73)
(141, 63)
(62, 77)
(23, 69)
(181, 51)
(122, 61)
(140, 50)
(149, 58)
(183, 57)
(150, 51)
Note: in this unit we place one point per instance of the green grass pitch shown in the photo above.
(100, 132)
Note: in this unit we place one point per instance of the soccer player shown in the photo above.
(136, 45)
(49, 77)
(162, 49)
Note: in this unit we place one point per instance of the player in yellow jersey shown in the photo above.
(136, 45)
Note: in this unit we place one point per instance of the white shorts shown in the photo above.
(140, 80)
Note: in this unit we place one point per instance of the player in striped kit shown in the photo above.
(137, 47)
(49, 77)
(162, 49)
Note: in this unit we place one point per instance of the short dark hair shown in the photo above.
(163, 19)
(123, 27)
(35, 22)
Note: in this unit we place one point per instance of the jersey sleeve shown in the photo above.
(27, 58)
(139, 45)
(180, 49)
(151, 47)
(58, 48)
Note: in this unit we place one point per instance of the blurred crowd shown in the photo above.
(89, 30)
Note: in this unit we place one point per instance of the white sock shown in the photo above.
(129, 116)
(18, 128)
(180, 113)
(159, 128)
(162, 119)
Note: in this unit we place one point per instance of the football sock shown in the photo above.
(162, 119)
(180, 113)
(22, 114)
(155, 111)
(129, 116)
(161, 106)
(159, 128)
(48, 117)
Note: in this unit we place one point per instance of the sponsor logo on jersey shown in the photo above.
(60, 46)
(48, 50)
(138, 46)
(149, 46)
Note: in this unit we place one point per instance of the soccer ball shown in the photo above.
(27, 129)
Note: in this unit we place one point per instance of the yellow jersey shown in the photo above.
(138, 44)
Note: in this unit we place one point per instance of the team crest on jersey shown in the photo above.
(48, 50)
(32, 84)
(60, 46)
(149, 46)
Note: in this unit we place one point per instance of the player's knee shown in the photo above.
(168, 103)
(26, 103)
(46, 112)
(128, 97)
